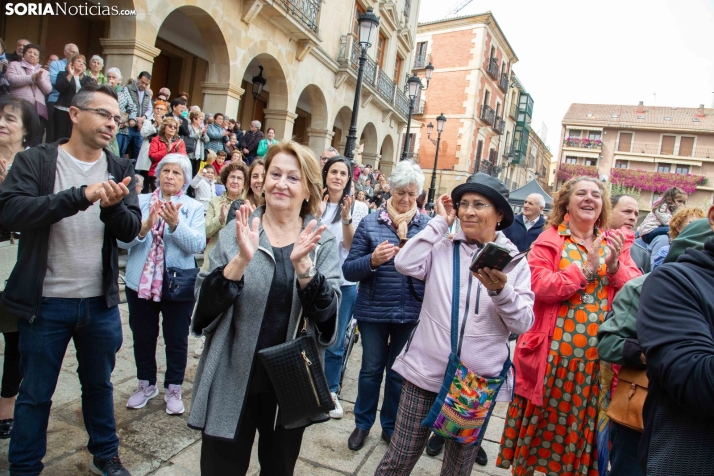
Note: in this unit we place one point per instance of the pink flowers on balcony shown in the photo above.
(568, 171)
(655, 181)
(584, 143)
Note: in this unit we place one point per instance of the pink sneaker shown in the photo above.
(143, 394)
(174, 404)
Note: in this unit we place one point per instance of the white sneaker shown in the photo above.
(143, 394)
(174, 404)
(338, 412)
(198, 352)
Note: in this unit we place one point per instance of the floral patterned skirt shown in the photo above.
(560, 437)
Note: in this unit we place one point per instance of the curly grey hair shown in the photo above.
(406, 173)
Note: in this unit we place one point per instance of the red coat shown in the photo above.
(552, 286)
(158, 150)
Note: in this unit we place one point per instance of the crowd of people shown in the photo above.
(298, 245)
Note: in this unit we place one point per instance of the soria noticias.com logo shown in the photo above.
(61, 8)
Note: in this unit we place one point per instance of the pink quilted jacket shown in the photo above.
(21, 84)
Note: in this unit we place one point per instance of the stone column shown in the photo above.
(221, 97)
(319, 140)
(281, 121)
(371, 159)
(130, 56)
(387, 164)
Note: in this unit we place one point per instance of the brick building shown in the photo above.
(640, 146)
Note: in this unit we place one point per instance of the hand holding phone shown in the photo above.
(491, 256)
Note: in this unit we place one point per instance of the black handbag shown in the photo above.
(190, 144)
(179, 284)
(298, 378)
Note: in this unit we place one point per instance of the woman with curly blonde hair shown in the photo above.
(576, 269)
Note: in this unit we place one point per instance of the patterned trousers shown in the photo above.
(409, 439)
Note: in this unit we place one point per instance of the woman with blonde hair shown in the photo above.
(165, 142)
(576, 269)
(268, 269)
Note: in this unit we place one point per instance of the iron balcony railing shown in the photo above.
(657, 149)
(385, 85)
(419, 108)
(503, 82)
(499, 125)
(421, 60)
(488, 115)
(513, 111)
(401, 103)
(370, 67)
(306, 11)
(583, 143)
(493, 68)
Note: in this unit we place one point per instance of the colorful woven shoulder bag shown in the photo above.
(464, 405)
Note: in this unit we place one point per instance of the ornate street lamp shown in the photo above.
(412, 87)
(440, 121)
(368, 27)
(259, 83)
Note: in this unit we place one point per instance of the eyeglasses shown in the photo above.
(103, 113)
(478, 206)
(171, 126)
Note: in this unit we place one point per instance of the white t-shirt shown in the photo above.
(360, 211)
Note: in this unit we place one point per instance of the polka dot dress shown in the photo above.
(560, 437)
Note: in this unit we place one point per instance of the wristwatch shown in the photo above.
(309, 274)
(347, 222)
(494, 292)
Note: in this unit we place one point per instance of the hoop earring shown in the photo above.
(262, 193)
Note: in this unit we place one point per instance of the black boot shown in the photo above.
(435, 444)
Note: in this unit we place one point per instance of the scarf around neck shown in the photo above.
(400, 220)
(28, 67)
(152, 276)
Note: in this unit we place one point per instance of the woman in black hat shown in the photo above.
(493, 303)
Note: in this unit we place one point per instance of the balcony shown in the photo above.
(499, 125)
(685, 151)
(385, 86)
(568, 171)
(655, 181)
(421, 60)
(401, 103)
(503, 82)
(488, 115)
(595, 144)
(419, 108)
(370, 68)
(306, 11)
(493, 68)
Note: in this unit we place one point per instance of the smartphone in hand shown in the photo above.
(497, 257)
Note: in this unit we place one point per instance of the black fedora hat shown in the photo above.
(491, 188)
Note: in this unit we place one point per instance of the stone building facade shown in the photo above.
(642, 143)
(212, 50)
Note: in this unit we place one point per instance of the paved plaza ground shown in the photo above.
(154, 443)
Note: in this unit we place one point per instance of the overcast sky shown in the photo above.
(604, 52)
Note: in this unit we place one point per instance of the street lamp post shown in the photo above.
(412, 87)
(368, 27)
(440, 121)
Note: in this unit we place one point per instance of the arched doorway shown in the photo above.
(340, 128)
(270, 108)
(386, 152)
(311, 122)
(368, 144)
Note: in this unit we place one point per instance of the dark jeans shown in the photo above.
(134, 143)
(278, 447)
(11, 377)
(333, 354)
(623, 453)
(144, 323)
(660, 230)
(123, 143)
(381, 343)
(97, 334)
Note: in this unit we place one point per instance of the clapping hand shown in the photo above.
(323, 203)
(246, 236)
(109, 193)
(614, 241)
(169, 212)
(445, 209)
(225, 206)
(151, 220)
(305, 243)
(346, 207)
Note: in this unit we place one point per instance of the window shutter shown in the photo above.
(686, 146)
(625, 143)
(667, 147)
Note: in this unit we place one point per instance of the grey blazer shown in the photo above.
(224, 369)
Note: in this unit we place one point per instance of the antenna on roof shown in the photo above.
(460, 5)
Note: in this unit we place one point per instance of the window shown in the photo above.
(355, 24)
(398, 68)
(595, 135)
(624, 144)
(479, 150)
(664, 168)
(686, 146)
(381, 44)
(576, 133)
(682, 169)
(667, 147)
(621, 164)
(487, 98)
(591, 162)
(498, 109)
(493, 52)
(571, 160)
(421, 48)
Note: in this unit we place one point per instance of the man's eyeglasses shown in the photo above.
(103, 113)
(478, 206)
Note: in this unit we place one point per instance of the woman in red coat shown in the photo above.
(165, 142)
(576, 269)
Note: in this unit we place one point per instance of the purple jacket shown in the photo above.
(20, 80)
(429, 257)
